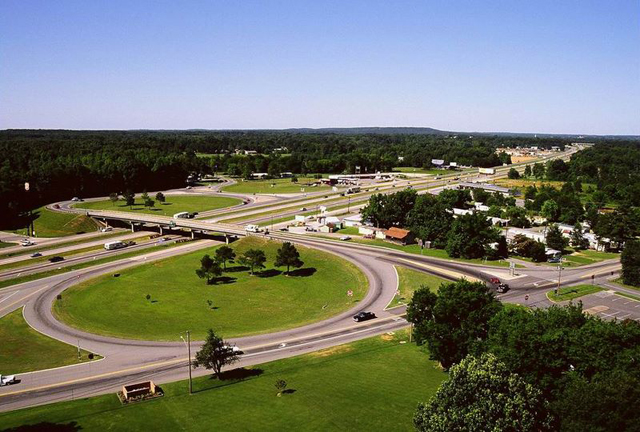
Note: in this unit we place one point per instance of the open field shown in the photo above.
(241, 304)
(24, 349)
(415, 170)
(372, 384)
(522, 184)
(174, 204)
(573, 292)
(410, 280)
(587, 256)
(522, 159)
(274, 186)
(48, 223)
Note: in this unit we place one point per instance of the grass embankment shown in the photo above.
(619, 281)
(419, 170)
(410, 280)
(48, 223)
(274, 186)
(115, 257)
(7, 244)
(572, 292)
(372, 384)
(586, 257)
(241, 304)
(26, 350)
(174, 204)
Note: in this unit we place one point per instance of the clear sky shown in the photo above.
(558, 66)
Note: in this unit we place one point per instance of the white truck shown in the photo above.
(490, 171)
(182, 215)
(252, 228)
(114, 245)
(7, 379)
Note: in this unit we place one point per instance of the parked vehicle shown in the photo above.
(363, 316)
(7, 380)
(555, 260)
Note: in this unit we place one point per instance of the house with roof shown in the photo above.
(399, 235)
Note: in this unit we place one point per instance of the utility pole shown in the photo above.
(189, 352)
(559, 274)
(349, 205)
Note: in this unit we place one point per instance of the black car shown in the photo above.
(56, 259)
(502, 288)
(364, 316)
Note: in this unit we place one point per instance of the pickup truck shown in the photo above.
(7, 379)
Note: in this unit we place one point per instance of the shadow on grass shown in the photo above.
(289, 391)
(46, 426)
(231, 377)
(223, 280)
(303, 272)
(268, 273)
(236, 269)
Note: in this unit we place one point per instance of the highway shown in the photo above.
(130, 360)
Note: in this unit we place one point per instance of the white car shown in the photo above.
(7, 379)
(106, 229)
(26, 242)
(345, 238)
(234, 349)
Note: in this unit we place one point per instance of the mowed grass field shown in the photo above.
(24, 349)
(241, 305)
(174, 204)
(371, 385)
(573, 292)
(410, 280)
(274, 186)
(419, 170)
(48, 223)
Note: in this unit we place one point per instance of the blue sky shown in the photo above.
(524, 66)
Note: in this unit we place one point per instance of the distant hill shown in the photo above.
(372, 130)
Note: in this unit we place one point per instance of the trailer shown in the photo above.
(115, 245)
(490, 171)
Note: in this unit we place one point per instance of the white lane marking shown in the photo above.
(9, 296)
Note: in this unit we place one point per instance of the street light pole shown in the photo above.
(188, 343)
(559, 275)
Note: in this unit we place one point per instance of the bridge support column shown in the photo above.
(193, 235)
(133, 227)
(160, 226)
(226, 239)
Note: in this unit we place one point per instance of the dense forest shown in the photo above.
(59, 164)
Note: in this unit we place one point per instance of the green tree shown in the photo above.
(214, 354)
(253, 258)
(294, 179)
(482, 394)
(281, 385)
(149, 203)
(550, 210)
(578, 240)
(225, 254)
(390, 210)
(145, 196)
(537, 252)
(458, 198)
(430, 220)
(129, 198)
(454, 322)
(517, 217)
(630, 260)
(209, 269)
(555, 239)
(160, 197)
(527, 171)
(470, 236)
(288, 256)
(513, 174)
(113, 197)
(538, 170)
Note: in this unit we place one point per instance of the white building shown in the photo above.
(353, 221)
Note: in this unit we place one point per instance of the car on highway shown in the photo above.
(502, 288)
(233, 348)
(26, 242)
(7, 380)
(303, 209)
(188, 187)
(363, 316)
(56, 258)
(75, 199)
(554, 260)
(56, 206)
(36, 255)
(494, 280)
(284, 229)
(345, 238)
(106, 229)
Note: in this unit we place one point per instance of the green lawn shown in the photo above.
(243, 305)
(369, 385)
(6, 244)
(174, 204)
(573, 292)
(410, 280)
(619, 282)
(348, 231)
(588, 256)
(420, 170)
(49, 223)
(25, 350)
(280, 186)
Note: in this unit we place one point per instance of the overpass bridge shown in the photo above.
(166, 223)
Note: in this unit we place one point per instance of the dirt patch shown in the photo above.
(342, 349)
(388, 337)
(520, 159)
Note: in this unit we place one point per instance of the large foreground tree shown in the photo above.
(288, 256)
(214, 354)
(481, 394)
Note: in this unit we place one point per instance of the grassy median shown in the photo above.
(572, 292)
(410, 280)
(239, 304)
(274, 186)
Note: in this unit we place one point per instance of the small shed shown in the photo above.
(399, 235)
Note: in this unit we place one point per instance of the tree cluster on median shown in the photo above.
(254, 259)
(520, 369)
